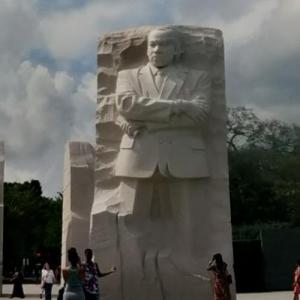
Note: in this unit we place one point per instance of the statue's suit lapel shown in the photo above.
(170, 88)
(146, 83)
(173, 83)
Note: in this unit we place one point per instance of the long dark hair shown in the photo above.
(73, 257)
(219, 260)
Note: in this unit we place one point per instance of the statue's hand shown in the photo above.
(194, 109)
(132, 128)
(113, 269)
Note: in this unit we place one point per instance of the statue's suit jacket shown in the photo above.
(172, 143)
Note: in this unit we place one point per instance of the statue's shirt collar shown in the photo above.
(163, 71)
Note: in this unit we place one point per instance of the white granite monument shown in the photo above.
(161, 204)
(78, 196)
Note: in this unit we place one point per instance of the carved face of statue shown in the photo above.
(162, 48)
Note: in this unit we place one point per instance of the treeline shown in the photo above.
(264, 165)
(32, 228)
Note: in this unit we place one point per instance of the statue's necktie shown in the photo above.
(159, 79)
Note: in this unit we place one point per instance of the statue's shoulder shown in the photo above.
(193, 75)
(200, 77)
(192, 72)
(198, 73)
(131, 72)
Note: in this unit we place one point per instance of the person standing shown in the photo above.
(297, 281)
(222, 279)
(17, 280)
(47, 280)
(91, 274)
(73, 276)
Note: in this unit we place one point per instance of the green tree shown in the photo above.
(32, 223)
(264, 161)
(242, 126)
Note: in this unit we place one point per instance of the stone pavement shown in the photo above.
(288, 295)
(32, 292)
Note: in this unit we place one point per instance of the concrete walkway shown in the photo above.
(32, 292)
(266, 296)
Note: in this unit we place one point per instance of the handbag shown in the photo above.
(42, 290)
(61, 292)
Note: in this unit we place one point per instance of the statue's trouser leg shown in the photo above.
(167, 238)
(137, 246)
(194, 226)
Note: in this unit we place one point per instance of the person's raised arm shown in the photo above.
(65, 273)
(100, 274)
(81, 268)
(211, 265)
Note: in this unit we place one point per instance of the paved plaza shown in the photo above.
(32, 292)
(266, 296)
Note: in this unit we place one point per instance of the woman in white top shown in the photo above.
(48, 278)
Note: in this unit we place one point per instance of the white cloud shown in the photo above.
(244, 28)
(41, 115)
(41, 108)
(263, 71)
(88, 86)
(18, 29)
(276, 41)
(70, 34)
(64, 83)
(285, 113)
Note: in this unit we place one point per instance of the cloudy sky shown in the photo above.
(48, 67)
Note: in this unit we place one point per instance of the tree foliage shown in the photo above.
(32, 224)
(264, 164)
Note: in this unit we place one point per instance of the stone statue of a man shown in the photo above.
(161, 204)
(165, 106)
(162, 159)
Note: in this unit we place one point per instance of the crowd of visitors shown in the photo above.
(81, 279)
